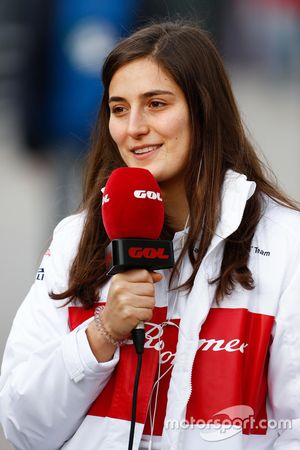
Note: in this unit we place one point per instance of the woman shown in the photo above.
(221, 329)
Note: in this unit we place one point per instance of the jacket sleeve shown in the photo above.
(284, 364)
(49, 375)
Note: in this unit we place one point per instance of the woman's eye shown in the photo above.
(157, 104)
(117, 109)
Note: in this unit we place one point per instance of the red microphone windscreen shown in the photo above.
(132, 205)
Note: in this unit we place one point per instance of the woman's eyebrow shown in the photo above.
(157, 92)
(145, 95)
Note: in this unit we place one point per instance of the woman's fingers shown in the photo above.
(138, 276)
(139, 282)
(131, 299)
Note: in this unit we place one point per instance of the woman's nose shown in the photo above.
(137, 124)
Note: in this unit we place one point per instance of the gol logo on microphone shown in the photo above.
(149, 194)
(148, 253)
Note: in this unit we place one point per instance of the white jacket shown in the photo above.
(237, 360)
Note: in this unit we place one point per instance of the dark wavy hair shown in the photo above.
(218, 138)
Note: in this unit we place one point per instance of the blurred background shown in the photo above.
(51, 53)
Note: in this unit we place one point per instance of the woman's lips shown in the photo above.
(145, 151)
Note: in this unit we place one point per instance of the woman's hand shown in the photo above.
(130, 300)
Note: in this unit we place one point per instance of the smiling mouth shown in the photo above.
(149, 149)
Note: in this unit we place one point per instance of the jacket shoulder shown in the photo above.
(66, 238)
(72, 223)
(59, 257)
(282, 219)
(69, 230)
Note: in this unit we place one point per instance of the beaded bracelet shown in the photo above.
(102, 330)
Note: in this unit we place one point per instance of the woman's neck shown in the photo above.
(176, 206)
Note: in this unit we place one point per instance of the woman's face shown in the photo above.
(149, 120)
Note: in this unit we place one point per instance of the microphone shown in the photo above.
(133, 217)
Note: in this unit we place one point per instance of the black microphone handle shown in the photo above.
(138, 253)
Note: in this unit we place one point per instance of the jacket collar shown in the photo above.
(236, 191)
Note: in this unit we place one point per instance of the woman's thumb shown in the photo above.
(156, 276)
